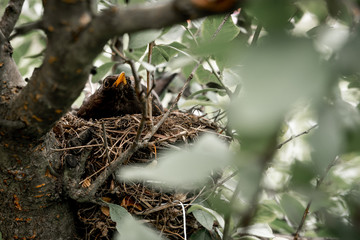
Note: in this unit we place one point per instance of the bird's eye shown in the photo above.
(106, 83)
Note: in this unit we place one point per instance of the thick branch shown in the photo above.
(9, 73)
(74, 40)
(10, 17)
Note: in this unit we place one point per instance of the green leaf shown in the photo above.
(202, 234)
(227, 32)
(302, 174)
(187, 169)
(318, 7)
(205, 90)
(172, 33)
(160, 55)
(328, 139)
(294, 210)
(282, 227)
(204, 218)
(264, 10)
(135, 54)
(201, 75)
(213, 214)
(141, 39)
(264, 214)
(128, 227)
(102, 71)
(118, 213)
(259, 230)
(176, 48)
(163, 53)
(21, 50)
(195, 102)
(276, 75)
(249, 238)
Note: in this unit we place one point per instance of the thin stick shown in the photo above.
(149, 85)
(77, 147)
(162, 120)
(246, 217)
(105, 143)
(220, 26)
(296, 136)
(141, 99)
(148, 73)
(256, 35)
(28, 27)
(306, 212)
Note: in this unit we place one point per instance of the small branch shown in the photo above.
(115, 49)
(166, 115)
(148, 73)
(28, 27)
(230, 94)
(76, 147)
(256, 35)
(306, 212)
(149, 84)
(139, 95)
(296, 136)
(220, 26)
(10, 17)
(249, 213)
(137, 79)
(105, 142)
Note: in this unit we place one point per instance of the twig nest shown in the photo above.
(157, 208)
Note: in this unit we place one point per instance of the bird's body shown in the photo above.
(115, 97)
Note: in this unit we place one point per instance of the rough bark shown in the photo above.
(34, 204)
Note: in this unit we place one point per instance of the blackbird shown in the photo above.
(115, 97)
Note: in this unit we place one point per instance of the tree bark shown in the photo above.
(33, 200)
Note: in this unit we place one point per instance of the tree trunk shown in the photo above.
(31, 197)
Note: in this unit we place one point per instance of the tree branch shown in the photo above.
(307, 209)
(66, 66)
(9, 73)
(10, 17)
(28, 27)
(296, 136)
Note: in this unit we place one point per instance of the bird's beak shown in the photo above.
(121, 78)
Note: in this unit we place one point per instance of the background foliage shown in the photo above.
(282, 79)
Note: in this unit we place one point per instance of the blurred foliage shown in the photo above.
(273, 70)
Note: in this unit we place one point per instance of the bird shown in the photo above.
(115, 97)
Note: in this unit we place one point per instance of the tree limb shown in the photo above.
(307, 209)
(28, 27)
(10, 17)
(66, 66)
(9, 73)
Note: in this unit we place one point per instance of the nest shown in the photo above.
(157, 208)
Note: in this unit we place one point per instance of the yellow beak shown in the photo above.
(121, 78)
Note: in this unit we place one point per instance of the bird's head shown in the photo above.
(116, 82)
